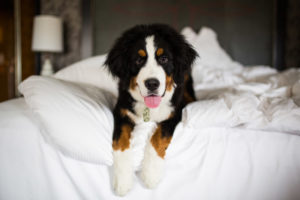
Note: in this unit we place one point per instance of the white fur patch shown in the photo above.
(138, 142)
(123, 172)
(157, 115)
(161, 113)
(151, 70)
(152, 167)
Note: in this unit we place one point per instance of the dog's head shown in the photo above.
(150, 62)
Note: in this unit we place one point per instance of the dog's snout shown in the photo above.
(152, 84)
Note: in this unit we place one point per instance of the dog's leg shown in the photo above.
(153, 163)
(122, 166)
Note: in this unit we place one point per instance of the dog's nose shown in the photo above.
(152, 84)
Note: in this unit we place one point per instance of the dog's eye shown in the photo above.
(163, 59)
(139, 61)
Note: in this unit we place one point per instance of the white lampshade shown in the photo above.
(47, 34)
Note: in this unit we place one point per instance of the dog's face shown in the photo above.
(150, 62)
(154, 63)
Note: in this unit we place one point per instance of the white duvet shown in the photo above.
(252, 98)
(239, 141)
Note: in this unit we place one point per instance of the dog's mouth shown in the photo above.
(152, 101)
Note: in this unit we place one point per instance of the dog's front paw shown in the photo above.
(122, 183)
(150, 177)
(123, 172)
(152, 168)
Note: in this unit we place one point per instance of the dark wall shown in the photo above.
(244, 27)
(292, 44)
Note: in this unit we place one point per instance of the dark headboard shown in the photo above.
(249, 30)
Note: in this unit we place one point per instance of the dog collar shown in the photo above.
(146, 114)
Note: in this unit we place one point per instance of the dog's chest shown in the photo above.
(159, 114)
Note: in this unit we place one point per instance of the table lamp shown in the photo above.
(47, 37)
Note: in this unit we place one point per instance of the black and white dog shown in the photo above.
(153, 64)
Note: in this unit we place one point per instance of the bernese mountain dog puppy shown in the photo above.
(153, 65)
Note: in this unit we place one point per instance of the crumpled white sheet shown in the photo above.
(256, 98)
(232, 95)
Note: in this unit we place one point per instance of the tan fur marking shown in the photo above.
(124, 140)
(159, 51)
(126, 113)
(186, 77)
(171, 115)
(142, 53)
(169, 83)
(160, 143)
(123, 112)
(187, 97)
(133, 83)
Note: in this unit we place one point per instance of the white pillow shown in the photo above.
(76, 118)
(90, 71)
(207, 46)
(189, 34)
(211, 53)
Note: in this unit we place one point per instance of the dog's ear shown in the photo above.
(185, 56)
(183, 53)
(116, 59)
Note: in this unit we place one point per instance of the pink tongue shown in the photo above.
(152, 101)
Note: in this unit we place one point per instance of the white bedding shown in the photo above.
(219, 163)
(241, 141)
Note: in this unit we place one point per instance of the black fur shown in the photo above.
(121, 62)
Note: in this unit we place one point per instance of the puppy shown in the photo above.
(153, 65)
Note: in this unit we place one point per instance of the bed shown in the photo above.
(240, 140)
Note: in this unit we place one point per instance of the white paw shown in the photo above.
(152, 168)
(122, 184)
(123, 172)
(150, 177)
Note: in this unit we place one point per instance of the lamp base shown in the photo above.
(47, 69)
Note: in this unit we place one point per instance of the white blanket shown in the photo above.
(254, 98)
(207, 163)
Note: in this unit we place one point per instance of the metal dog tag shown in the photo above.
(146, 114)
